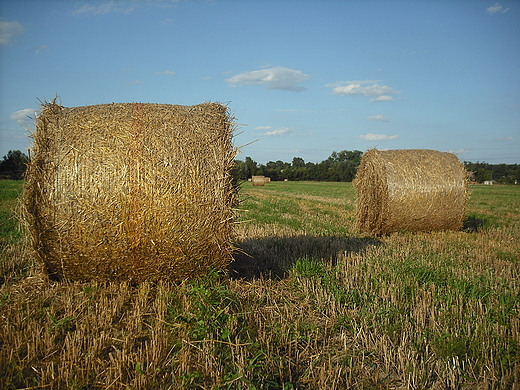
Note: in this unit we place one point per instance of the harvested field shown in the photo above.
(315, 305)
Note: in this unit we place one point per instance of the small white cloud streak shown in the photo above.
(496, 9)
(263, 127)
(280, 131)
(378, 137)
(278, 77)
(38, 49)
(167, 73)
(459, 152)
(21, 115)
(121, 7)
(357, 89)
(378, 118)
(8, 30)
(383, 98)
(342, 83)
(103, 9)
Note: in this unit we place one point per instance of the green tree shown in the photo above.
(298, 162)
(343, 165)
(13, 165)
(252, 167)
(239, 172)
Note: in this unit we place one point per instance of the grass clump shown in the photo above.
(9, 225)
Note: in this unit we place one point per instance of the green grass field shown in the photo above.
(308, 304)
(9, 191)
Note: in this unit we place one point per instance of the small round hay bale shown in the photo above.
(258, 181)
(410, 190)
(131, 191)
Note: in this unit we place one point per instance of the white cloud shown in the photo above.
(459, 152)
(38, 49)
(134, 82)
(104, 8)
(342, 83)
(383, 98)
(369, 90)
(23, 114)
(278, 77)
(167, 73)
(263, 127)
(378, 117)
(280, 131)
(266, 66)
(378, 137)
(8, 30)
(496, 9)
(121, 6)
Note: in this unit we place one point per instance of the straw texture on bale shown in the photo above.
(131, 191)
(258, 180)
(410, 190)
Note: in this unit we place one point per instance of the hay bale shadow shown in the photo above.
(272, 257)
(473, 224)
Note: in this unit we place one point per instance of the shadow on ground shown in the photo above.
(473, 224)
(273, 256)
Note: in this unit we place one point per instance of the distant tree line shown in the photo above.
(501, 173)
(12, 166)
(340, 166)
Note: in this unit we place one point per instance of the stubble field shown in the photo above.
(308, 304)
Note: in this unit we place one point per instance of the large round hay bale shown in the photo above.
(258, 181)
(131, 191)
(410, 190)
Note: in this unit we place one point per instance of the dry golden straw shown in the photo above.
(410, 190)
(258, 180)
(131, 191)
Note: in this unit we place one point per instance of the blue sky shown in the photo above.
(304, 78)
